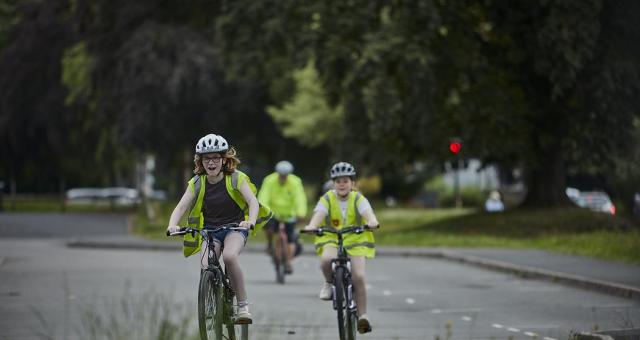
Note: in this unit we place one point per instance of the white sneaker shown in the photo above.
(326, 292)
(243, 315)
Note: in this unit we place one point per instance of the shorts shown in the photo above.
(220, 235)
(289, 228)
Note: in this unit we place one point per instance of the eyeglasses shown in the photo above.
(211, 159)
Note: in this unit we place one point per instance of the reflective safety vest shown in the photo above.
(287, 200)
(192, 244)
(355, 244)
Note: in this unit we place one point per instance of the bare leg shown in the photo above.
(357, 276)
(328, 253)
(233, 245)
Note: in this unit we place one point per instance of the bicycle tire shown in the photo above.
(209, 307)
(340, 303)
(280, 260)
(352, 315)
(238, 332)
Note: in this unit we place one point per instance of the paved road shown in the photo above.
(46, 288)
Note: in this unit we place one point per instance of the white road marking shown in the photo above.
(515, 330)
(436, 311)
(466, 318)
(531, 334)
(410, 301)
(386, 292)
(547, 338)
(497, 325)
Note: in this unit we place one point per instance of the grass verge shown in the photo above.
(566, 230)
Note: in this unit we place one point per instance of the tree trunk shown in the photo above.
(546, 180)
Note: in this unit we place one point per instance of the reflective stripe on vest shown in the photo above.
(327, 219)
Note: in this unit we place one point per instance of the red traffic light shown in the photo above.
(455, 147)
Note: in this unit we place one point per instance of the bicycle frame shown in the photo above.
(215, 285)
(343, 299)
(280, 253)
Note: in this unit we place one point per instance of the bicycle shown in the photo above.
(279, 253)
(343, 299)
(215, 294)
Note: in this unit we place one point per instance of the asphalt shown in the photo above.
(588, 273)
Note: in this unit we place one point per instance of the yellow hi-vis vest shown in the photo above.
(192, 244)
(355, 244)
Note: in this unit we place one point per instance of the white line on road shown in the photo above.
(547, 338)
(466, 318)
(497, 325)
(410, 301)
(515, 330)
(531, 334)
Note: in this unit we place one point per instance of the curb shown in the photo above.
(533, 272)
(622, 290)
(590, 336)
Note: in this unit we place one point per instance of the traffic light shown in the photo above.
(455, 146)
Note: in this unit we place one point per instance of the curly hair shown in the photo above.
(230, 165)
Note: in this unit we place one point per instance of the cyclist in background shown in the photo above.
(340, 207)
(282, 191)
(219, 194)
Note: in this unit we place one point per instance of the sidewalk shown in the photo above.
(605, 276)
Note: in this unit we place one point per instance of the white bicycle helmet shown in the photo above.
(211, 143)
(342, 169)
(284, 167)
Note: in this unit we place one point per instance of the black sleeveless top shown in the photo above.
(218, 207)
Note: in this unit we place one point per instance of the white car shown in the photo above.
(594, 200)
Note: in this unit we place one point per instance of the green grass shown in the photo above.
(565, 230)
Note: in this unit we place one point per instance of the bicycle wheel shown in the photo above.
(352, 317)
(282, 260)
(237, 332)
(209, 307)
(340, 302)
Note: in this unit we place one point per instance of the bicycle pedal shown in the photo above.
(242, 321)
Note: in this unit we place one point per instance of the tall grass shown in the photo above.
(148, 316)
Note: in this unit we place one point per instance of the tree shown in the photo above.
(542, 85)
(308, 111)
(34, 120)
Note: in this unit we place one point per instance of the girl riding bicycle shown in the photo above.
(340, 207)
(219, 194)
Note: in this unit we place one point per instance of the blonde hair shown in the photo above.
(230, 164)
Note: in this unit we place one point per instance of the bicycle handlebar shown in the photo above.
(356, 229)
(186, 230)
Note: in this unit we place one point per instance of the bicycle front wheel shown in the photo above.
(282, 260)
(210, 307)
(339, 300)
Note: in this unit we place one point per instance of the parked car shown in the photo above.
(117, 195)
(594, 200)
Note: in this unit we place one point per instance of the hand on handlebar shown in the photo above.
(173, 229)
(246, 225)
(309, 228)
(373, 225)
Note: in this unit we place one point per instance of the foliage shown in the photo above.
(543, 85)
(308, 117)
(149, 315)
